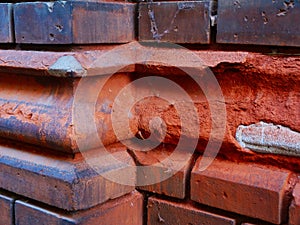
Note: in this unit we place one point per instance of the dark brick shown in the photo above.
(244, 188)
(170, 213)
(259, 22)
(179, 22)
(69, 22)
(6, 24)
(43, 22)
(127, 210)
(66, 183)
(294, 217)
(96, 22)
(7, 209)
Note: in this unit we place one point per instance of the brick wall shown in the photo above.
(97, 131)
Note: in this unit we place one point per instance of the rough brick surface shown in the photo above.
(28, 114)
(127, 210)
(66, 183)
(294, 217)
(176, 183)
(7, 209)
(6, 24)
(170, 213)
(247, 189)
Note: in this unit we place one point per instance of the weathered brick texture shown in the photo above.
(127, 210)
(171, 213)
(244, 188)
(294, 216)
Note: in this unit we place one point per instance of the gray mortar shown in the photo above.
(269, 138)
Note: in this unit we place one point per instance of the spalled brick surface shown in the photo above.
(258, 22)
(7, 209)
(127, 210)
(176, 183)
(66, 183)
(170, 213)
(247, 189)
(294, 216)
(6, 24)
(61, 22)
(181, 22)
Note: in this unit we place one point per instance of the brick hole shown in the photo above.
(51, 37)
(59, 27)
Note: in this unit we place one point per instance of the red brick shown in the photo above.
(295, 207)
(127, 210)
(176, 184)
(66, 183)
(171, 213)
(247, 189)
(7, 209)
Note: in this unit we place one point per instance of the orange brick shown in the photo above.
(127, 210)
(295, 207)
(247, 189)
(7, 208)
(171, 213)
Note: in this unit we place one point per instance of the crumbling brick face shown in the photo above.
(244, 188)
